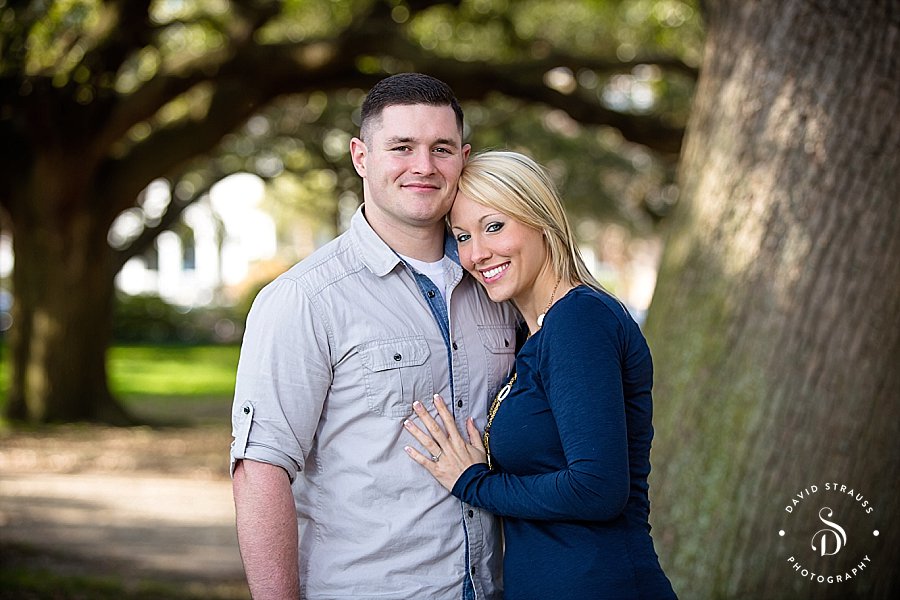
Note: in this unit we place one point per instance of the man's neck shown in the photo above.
(425, 243)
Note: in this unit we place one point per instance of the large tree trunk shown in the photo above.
(775, 324)
(62, 311)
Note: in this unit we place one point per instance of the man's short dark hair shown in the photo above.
(405, 89)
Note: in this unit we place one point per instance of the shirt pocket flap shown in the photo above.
(392, 354)
(498, 339)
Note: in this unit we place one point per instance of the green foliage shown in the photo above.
(296, 136)
(149, 319)
(197, 90)
(300, 140)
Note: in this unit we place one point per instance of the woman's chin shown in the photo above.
(497, 295)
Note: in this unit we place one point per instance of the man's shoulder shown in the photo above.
(333, 260)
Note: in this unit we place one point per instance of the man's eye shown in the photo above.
(494, 227)
(443, 150)
(400, 148)
(462, 237)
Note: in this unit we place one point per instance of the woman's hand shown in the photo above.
(450, 453)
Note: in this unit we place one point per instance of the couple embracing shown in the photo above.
(446, 361)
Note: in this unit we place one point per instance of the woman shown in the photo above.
(568, 437)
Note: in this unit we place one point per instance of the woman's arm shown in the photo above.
(580, 363)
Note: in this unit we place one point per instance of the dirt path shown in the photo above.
(140, 503)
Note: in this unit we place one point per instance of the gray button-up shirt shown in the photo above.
(335, 352)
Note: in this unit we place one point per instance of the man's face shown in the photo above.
(410, 165)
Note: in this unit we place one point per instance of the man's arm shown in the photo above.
(267, 530)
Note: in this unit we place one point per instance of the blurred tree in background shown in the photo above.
(775, 324)
(99, 98)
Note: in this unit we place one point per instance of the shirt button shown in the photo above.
(506, 343)
(455, 347)
(397, 357)
(459, 403)
(471, 513)
(473, 571)
(246, 410)
(431, 293)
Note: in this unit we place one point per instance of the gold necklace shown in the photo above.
(495, 405)
(540, 319)
(504, 391)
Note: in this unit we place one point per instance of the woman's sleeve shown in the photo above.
(580, 361)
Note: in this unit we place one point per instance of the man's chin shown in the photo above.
(429, 216)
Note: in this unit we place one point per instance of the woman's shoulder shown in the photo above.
(592, 318)
(583, 302)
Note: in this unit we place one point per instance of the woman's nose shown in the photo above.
(478, 251)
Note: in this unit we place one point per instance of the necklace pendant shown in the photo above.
(540, 320)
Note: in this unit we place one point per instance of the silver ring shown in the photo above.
(437, 457)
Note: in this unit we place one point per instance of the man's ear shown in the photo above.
(465, 151)
(358, 152)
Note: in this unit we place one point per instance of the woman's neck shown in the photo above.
(536, 301)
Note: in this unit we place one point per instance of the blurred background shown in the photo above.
(162, 160)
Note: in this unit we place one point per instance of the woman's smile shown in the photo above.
(494, 273)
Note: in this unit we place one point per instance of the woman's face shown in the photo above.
(504, 255)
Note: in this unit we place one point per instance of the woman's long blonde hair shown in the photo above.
(517, 186)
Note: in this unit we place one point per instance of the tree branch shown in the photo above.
(646, 130)
(147, 100)
(524, 79)
(126, 28)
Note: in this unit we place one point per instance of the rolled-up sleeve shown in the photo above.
(283, 378)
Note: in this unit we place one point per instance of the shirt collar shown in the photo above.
(376, 254)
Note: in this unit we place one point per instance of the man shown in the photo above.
(336, 351)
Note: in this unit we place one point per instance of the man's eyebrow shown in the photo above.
(408, 140)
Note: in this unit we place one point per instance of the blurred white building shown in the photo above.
(221, 236)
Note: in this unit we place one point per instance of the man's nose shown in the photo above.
(423, 162)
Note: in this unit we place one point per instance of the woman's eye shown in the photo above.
(494, 227)
(462, 237)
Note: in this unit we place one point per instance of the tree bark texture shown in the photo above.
(775, 324)
(63, 311)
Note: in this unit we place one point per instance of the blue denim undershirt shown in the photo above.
(435, 300)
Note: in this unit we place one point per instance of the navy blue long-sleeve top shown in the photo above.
(571, 449)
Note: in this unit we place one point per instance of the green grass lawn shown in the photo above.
(168, 381)
(181, 371)
(175, 384)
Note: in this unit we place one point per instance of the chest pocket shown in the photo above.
(397, 373)
(499, 342)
